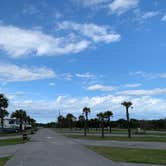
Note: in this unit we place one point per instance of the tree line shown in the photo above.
(103, 121)
(19, 114)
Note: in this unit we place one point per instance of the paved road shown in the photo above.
(9, 150)
(48, 148)
(124, 144)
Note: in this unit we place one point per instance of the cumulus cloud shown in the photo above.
(18, 42)
(48, 110)
(151, 92)
(163, 18)
(121, 6)
(85, 75)
(101, 87)
(113, 6)
(12, 73)
(91, 31)
(133, 85)
(148, 75)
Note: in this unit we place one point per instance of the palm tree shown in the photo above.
(108, 115)
(69, 118)
(127, 105)
(81, 120)
(86, 111)
(21, 115)
(101, 117)
(3, 105)
(61, 121)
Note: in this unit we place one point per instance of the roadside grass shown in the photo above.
(114, 131)
(3, 160)
(128, 155)
(28, 131)
(12, 141)
(119, 138)
(9, 134)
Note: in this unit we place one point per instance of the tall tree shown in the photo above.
(108, 115)
(81, 120)
(86, 111)
(127, 105)
(70, 118)
(3, 105)
(101, 117)
(21, 115)
(61, 121)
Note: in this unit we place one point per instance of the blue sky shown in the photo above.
(64, 55)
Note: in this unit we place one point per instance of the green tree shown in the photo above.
(127, 105)
(70, 118)
(108, 115)
(86, 111)
(81, 120)
(101, 117)
(3, 105)
(21, 115)
(61, 121)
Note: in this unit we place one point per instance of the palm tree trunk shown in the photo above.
(85, 127)
(128, 122)
(102, 128)
(2, 124)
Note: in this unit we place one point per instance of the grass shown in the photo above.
(120, 138)
(13, 141)
(145, 156)
(3, 160)
(114, 131)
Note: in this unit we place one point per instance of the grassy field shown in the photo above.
(120, 138)
(132, 155)
(114, 131)
(13, 141)
(4, 160)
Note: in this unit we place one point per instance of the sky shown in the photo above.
(60, 56)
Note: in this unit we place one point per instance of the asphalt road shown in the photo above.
(48, 148)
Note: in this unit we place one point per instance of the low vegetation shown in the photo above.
(120, 138)
(12, 141)
(132, 155)
(3, 160)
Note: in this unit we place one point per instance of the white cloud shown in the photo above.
(149, 14)
(144, 106)
(151, 92)
(133, 85)
(91, 31)
(51, 84)
(91, 3)
(101, 87)
(85, 75)
(18, 42)
(163, 18)
(121, 6)
(11, 73)
(148, 75)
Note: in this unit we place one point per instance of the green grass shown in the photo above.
(132, 155)
(114, 131)
(3, 160)
(13, 141)
(120, 138)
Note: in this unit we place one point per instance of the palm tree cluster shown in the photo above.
(103, 120)
(20, 114)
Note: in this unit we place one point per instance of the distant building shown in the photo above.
(13, 123)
